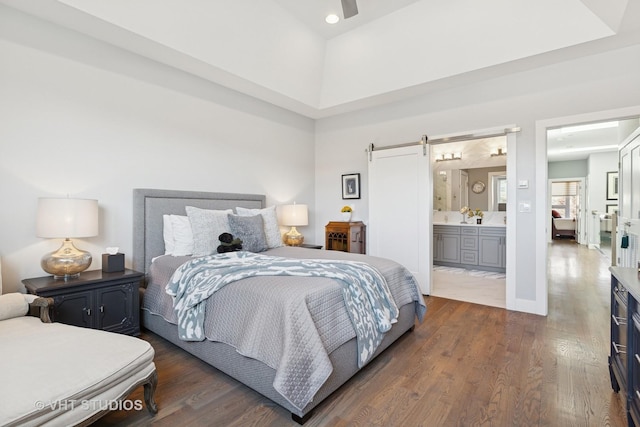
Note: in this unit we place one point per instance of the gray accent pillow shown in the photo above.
(271, 227)
(249, 229)
(206, 226)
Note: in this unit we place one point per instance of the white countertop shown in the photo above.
(491, 219)
(469, 224)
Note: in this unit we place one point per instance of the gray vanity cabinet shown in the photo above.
(469, 245)
(473, 247)
(446, 244)
(492, 247)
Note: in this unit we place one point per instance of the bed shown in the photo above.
(257, 329)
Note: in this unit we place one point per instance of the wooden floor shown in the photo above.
(466, 365)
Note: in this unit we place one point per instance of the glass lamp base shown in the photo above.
(67, 262)
(293, 238)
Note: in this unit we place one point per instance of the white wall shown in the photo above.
(599, 82)
(599, 165)
(82, 118)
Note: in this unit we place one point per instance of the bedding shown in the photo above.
(271, 226)
(291, 328)
(258, 229)
(178, 238)
(249, 229)
(289, 338)
(206, 226)
(366, 295)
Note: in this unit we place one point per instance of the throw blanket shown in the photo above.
(366, 294)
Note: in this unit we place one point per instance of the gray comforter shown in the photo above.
(289, 327)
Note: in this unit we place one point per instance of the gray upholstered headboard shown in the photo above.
(149, 205)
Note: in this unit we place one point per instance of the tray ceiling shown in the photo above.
(282, 52)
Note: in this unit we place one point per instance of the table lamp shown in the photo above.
(66, 218)
(294, 216)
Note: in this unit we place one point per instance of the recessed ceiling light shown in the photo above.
(332, 19)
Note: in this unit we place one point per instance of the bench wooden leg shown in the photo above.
(149, 392)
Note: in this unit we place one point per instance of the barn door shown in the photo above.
(399, 217)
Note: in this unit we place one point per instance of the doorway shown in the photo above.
(595, 180)
(568, 209)
(469, 174)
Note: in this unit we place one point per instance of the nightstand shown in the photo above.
(346, 236)
(97, 300)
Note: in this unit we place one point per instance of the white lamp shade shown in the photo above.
(295, 215)
(66, 218)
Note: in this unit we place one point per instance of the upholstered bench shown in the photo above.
(56, 374)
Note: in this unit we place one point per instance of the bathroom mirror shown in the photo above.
(452, 189)
(457, 165)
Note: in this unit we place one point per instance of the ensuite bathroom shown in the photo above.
(469, 220)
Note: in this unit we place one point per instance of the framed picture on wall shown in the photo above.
(611, 209)
(351, 186)
(612, 185)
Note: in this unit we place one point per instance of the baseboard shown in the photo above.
(528, 306)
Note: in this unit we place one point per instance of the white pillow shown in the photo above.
(182, 235)
(13, 305)
(178, 237)
(207, 225)
(271, 227)
(167, 235)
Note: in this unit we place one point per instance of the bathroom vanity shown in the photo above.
(470, 246)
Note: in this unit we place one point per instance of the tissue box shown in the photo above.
(112, 263)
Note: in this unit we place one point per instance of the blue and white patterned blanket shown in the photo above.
(366, 294)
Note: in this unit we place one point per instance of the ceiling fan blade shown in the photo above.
(349, 8)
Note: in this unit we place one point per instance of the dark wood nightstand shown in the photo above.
(97, 300)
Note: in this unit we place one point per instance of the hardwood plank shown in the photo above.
(466, 365)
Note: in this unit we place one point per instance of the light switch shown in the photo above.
(523, 183)
(524, 206)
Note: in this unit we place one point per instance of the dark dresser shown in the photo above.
(624, 359)
(97, 300)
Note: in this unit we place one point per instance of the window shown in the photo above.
(564, 198)
(498, 194)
